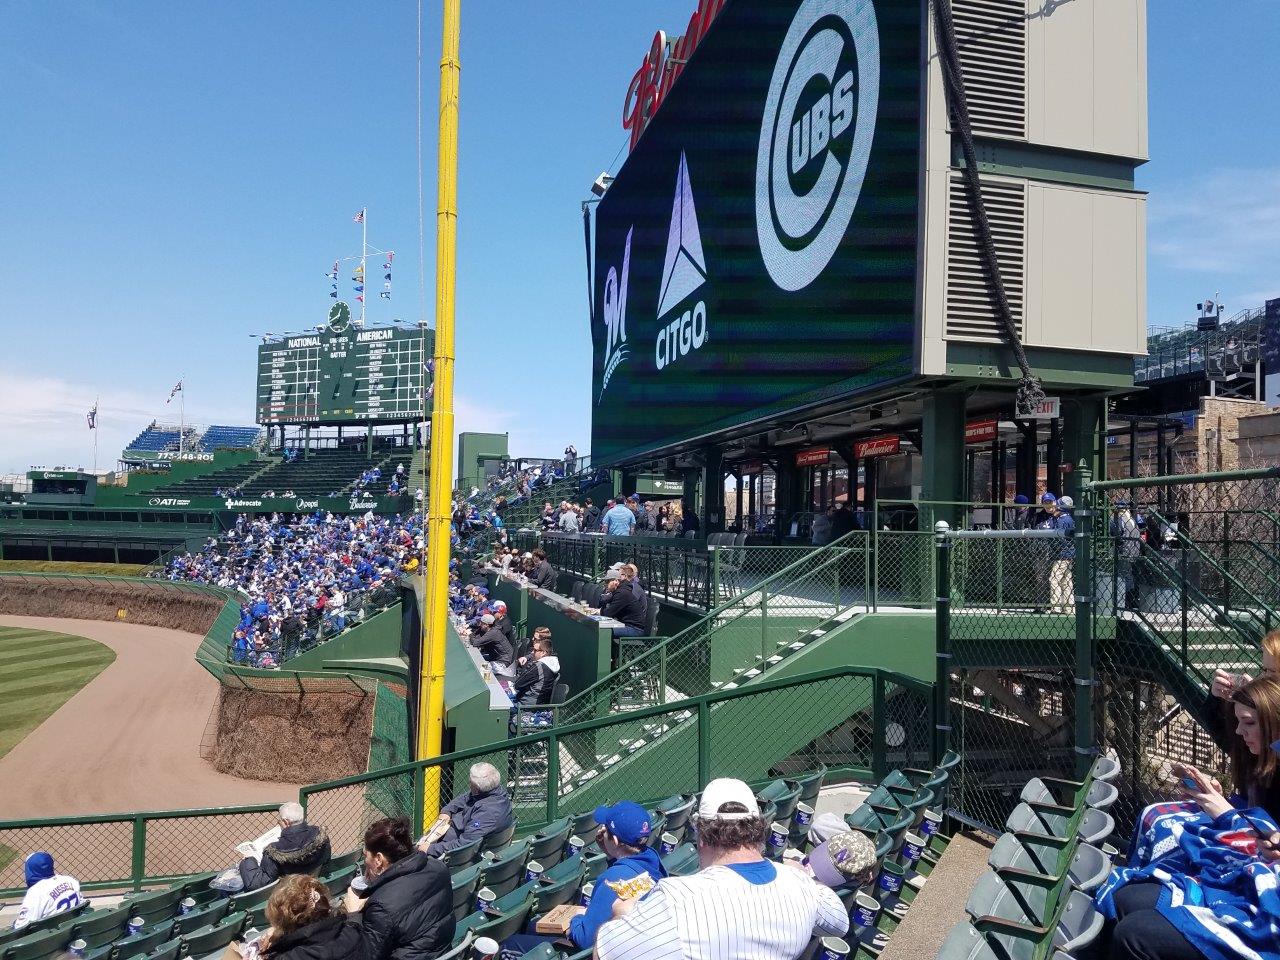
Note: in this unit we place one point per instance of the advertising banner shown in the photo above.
(980, 431)
(757, 250)
(360, 504)
(813, 457)
(877, 447)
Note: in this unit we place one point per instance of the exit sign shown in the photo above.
(1050, 408)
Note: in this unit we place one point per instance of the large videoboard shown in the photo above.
(343, 374)
(758, 249)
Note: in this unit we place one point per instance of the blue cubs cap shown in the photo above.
(1048, 498)
(627, 821)
(483, 591)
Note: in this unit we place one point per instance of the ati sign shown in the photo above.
(813, 457)
(878, 447)
(168, 502)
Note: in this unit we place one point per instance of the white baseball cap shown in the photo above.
(727, 790)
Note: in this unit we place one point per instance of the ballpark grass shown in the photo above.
(71, 566)
(40, 671)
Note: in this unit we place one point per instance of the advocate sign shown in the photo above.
(757, 250)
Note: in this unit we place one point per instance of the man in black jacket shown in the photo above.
(493, 643)
(302, 848)
(543, 574)
(625, 600)
(503, 622)
(485, 809)
(535, 680)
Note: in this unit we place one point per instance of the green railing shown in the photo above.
(797, 722)
(746, 631)
(726, 733)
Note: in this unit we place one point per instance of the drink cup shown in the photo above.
(485, 898)
(930, 824)
(135, 925)
(532, 871)
(77, 948)
(866, 915)
(832, 948)
(187, 905)
(668, 842)
(912, 848)
(803, 816)
(484, 948)
(587, 889)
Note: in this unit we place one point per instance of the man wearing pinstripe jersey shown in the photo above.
(739, 906)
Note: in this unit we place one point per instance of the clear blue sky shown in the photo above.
(175, 177)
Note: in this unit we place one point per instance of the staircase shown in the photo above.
(749, 639)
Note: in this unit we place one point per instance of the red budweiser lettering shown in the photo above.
(879, 447)
(661, 66)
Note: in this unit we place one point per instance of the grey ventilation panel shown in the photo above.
(971, 312)
(992, 37)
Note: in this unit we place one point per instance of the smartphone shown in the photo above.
(1190, 783)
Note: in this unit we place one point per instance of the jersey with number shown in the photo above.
(47, 897)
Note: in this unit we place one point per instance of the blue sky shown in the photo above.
(175, 177)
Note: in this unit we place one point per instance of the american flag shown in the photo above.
(177, 389)
(359, 217)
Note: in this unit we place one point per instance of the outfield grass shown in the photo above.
(71, 566)
(40, 671)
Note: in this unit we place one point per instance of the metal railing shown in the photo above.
(861, 722)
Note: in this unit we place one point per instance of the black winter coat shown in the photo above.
(333, 938)
(536, 681)
(544, 576)
(408, 911)
(494, 646)
(628, 603)
(301, 848)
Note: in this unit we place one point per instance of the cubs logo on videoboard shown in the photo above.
(757, 250)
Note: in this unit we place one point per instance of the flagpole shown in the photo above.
(364, 257)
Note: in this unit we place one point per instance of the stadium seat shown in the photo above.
(510, 923)
(462, 856)
(1067, 793)
(681, 861)
(496, 841)
(37, 946)
(562, 890)
(152, 907)
(142, 942)
(784, 796)
(584, 826)
(101, 926)
(459, 948)
(505, 871)
(1086, 870)
(255, 898)
(63, 918)
(595, 864)
(810, 784)
(548, 846)
(205, 917)
(167, 951)
(994, 905)
(206, 940)
(338, 880)
(465, 884)
(350, 858)
(966, 943)
(543, 951)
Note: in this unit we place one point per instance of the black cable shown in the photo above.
(1030, 390)
(586, 236)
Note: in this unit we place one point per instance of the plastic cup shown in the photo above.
(135, 925)
(587, 889)
(187, 905)
(77, 948)
(485, 898)
(866, 915)
(930, 824)
(777, 841)
(484, 948)
(912, 848)
(667, 843)
(803, 815)
(832, 948)
(532, 871)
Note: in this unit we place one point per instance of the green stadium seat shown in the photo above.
(543, 951)
(568, 867)
(255, 898)
(496, 841)
(465, 928)
(547, 896)
(548, 846)
(100, 926)
(144, 941)
(459, 949)
(510, 923)
(462, 856)
(205, 917)
(505, 872)
(465, 884)
(595, 864)
(153, 907)
(209, 939)
(167, 951)
(257, 917)
(337, 880)
(350, 858)
(966, 943)
(678, 809)
(44, 945)
(681, 861)
(584, 826)
(810, 784)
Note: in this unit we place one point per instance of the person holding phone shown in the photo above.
(1226, 683)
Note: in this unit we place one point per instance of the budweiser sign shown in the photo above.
(877, 447)
(813, 457)
(661, 66)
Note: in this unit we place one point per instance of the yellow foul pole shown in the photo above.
(435, 619)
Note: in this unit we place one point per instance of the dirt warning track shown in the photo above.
(130, 739)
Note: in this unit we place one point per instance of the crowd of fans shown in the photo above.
(303, 578)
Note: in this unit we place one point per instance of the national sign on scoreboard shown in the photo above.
(757, 251)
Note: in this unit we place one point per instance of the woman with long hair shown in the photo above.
(304, 925)
(406, 912)
(1256, 706)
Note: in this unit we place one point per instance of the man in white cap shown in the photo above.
(739, 906)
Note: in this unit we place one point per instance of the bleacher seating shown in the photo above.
(208, 484)
(229, 438)
(154, 438)
(324, 471)
(212, 921)
(1037, 899)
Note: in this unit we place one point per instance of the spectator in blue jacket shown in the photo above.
(485, 809)
(1061, 581)
(634, 868)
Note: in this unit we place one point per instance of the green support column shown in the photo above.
(712, 491)
(943, 438)
(368, 441)
(689, 496)
(1084, 438)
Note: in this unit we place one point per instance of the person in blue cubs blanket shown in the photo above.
(1201, 880)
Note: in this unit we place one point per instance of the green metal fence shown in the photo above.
(860, 722)
(1054, 661)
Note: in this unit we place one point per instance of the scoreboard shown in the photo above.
(344, 374)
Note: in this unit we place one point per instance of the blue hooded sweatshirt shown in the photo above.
(618, 876)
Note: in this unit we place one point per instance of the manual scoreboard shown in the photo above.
(344, 374)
